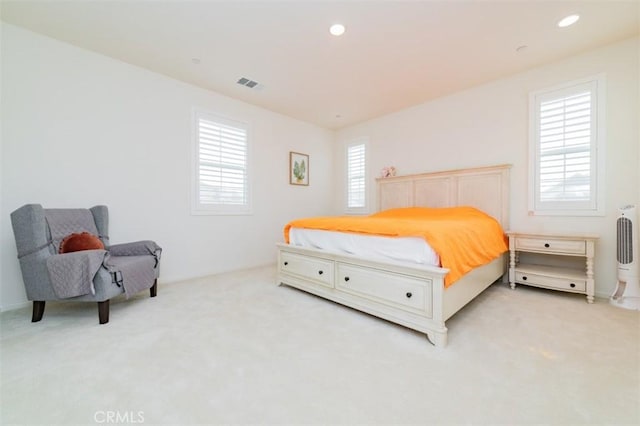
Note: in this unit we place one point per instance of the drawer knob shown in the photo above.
(572, 285)
(286, 263)
(346, 278)
(546, 245)
(524, 278)
(409, 295)
(320, 272)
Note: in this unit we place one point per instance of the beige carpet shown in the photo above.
(235, 348)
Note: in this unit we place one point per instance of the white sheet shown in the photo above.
(374, 247)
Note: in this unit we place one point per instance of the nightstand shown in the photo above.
(544, 272)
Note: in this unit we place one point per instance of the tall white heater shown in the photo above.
(627, 294)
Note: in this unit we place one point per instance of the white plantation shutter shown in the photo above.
(221, 165)
(356, 176)
(565, 145)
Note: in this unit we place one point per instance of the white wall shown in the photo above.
(81, 129)
(2, 219)
(488, 125)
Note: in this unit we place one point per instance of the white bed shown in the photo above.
(380, 281)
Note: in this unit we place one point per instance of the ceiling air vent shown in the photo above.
(246, 82)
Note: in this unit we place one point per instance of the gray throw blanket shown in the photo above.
(137, 248)
(72, 274)
(134, 273)
(64, 222)
(133, 266)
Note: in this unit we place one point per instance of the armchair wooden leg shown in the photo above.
(153, 291)
(103, 312)
(38, 310)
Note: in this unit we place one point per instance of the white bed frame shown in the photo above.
(411, 295)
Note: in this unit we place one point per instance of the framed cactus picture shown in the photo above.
(298, 168)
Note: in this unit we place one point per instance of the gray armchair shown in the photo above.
(94, 275)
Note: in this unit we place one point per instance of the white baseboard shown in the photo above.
(14, 306)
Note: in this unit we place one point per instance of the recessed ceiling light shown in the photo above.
(569, 20)
(337, 29)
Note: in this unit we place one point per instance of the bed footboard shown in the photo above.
(406, 295)
(412, 296)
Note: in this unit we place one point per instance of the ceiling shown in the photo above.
(394, 54)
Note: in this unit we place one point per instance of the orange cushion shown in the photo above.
(81, 241)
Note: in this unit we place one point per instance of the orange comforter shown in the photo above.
(463, 237)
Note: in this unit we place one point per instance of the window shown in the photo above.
(566, 149)
(221, 158)
(357, 176)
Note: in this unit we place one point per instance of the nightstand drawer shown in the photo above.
(319, 270)
(550, 245)
(551, 282)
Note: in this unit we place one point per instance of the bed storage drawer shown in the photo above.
(401, 291)
(319, 270)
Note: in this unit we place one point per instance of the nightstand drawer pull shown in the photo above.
(286, 263)
(320, 272)
(524, 278)
(346, 278)
(546, 245)
(572, 285)
(409, 295)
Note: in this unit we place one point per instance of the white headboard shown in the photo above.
(485, 188)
